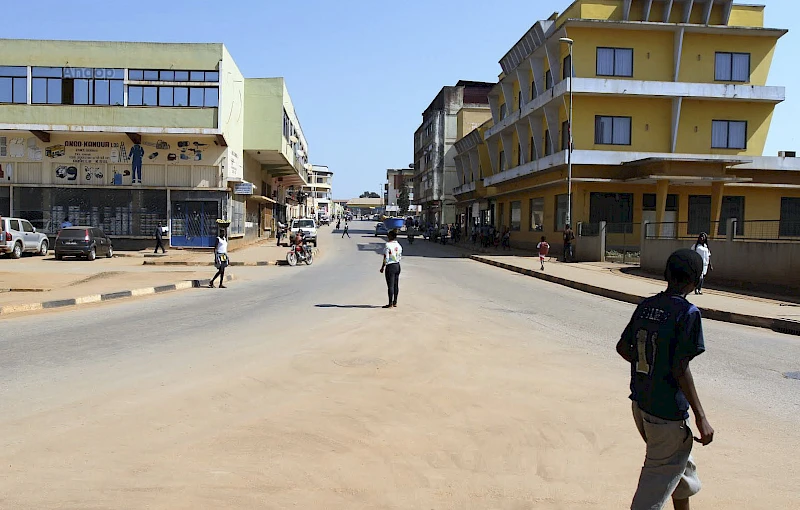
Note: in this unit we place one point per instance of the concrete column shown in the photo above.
(717, 191)
(662, 190)
(731, 232)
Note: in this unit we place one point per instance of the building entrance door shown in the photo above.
(194, 224)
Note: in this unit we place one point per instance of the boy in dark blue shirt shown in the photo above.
(663, 336)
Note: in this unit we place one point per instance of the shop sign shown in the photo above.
(243, 188)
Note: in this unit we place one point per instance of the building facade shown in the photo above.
(454, 112)
(396, 180)
(319, 187)
(670, 116)
(127, 136)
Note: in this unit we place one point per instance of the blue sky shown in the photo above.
(360, 72)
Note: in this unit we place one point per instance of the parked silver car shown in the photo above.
(18, 236)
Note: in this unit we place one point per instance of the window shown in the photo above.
(168, 75)
(516, 216)
(533, 89)
(170, 96)
(46, 85)
(649, 202)
(699, 214)
(77, 86)
(519, 155)
(612, 130)
(502, 161)
(565, 135)
(548, 145)
(728, 134)
(567, 70)
(537, 214)
(14, 225)
(26, 226)
(790, 217)
(616, 209)
(548, 80)
(150, 96)
(732, 67)
(532, 150)
(181, 96)
(615, 62)
(136, 75)
(502, 111)
(561, 212)
(165, 96)
(211, 97)
(13, 84)
(519, 100)
(732, 207)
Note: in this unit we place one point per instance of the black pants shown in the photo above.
(345, 233)
(392, 274)
(221, 274)
(699, 288)
(159, 244)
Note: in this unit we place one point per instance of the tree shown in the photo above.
(403, 201)
(369, 194)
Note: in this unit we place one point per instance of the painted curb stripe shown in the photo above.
(116, 295)
(58, 303)
(780, 325)
(164, 288)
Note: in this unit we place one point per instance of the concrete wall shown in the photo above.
(591, 249)
(743, 263)
(263, 114)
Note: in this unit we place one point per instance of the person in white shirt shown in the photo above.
(220, 259)
(392, 253)
(701, 247)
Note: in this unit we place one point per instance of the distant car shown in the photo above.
(309, 228)
(381, 230)
(18, 236)
(324, 220)
(86, 242)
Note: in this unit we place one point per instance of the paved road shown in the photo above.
(63, 372)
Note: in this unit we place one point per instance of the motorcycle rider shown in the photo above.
(298, 243)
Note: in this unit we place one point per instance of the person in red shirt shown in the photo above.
(544, 249)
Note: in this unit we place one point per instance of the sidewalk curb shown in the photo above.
(779, 325)
(110, 296)
(261, 263)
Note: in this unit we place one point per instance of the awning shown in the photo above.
(261, 199)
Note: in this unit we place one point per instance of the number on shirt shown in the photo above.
(645, 360)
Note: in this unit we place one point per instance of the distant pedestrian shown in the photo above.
(338, 224)
(346, 231)
(506, 239)
(66, 223)
(569, 237)
(663, 336)
(701, 247)
(392, 253)
(544, 250)
(281, 232)
(160, 238)
(220, 259)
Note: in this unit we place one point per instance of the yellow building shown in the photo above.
(670, 111)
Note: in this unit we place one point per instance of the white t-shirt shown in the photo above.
(222, 247)
(705, 253)
(392, 253)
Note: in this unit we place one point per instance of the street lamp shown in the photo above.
(569, 42)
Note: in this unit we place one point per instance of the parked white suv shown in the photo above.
(18, 236)
(309, 228)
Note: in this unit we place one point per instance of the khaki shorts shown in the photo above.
(669, 470)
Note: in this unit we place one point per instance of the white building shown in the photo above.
(319, 187)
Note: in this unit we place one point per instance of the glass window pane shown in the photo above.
(150, 96)
(212, 97)
(722, 67)
(167, 75)
(181, 97)
(198, 76)
(737, 135)
(101, 92)
(719, 134)
(12, 71)
(6, 90)
(196, 97)
(605, 62)
(21, 90)
(740, 70)
(115, 74)
(43, 72)
(181, 75)
(54, 91)
(116, 94)
(212, 76)
(81, 92)
(622, 131)
(151, 75)
(39, 90)
(165, 96)
(135, 96)
(603, 129)
(136, 75)
(623, 62)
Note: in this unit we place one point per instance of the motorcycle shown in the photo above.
(301, 253)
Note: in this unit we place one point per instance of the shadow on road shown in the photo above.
(346, 306)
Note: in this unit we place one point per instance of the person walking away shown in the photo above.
(506, 239)
(346, 230)
(569, 237)
(66, 223)
(664, 334)
(338, 224)
(281, 232)
(220, 259)
(392, 253)
(701, 247)
(544, 250)
(160, 239)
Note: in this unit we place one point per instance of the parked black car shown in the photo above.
(86, 242)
